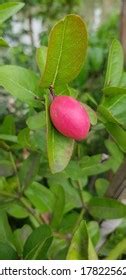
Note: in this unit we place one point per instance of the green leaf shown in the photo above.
(81, 247)
(118, 134)
(106, 208)
(116, 105)
(41, 197)
(8, 126)
(10, 138)
(29, 169)
(92, 114)
(66, 51)
(123, 80)
(101, 186)
(20, 82)
(7, 252)
(3, 43)
(59, 148)
(115, 64)
(59, 205)
(17, 211)
(6, 168)
(5, 229)
(9, 9)
(117, 251)
(36, 121)
(38, 243)
(115, 152)
(41, 55)
(94, 232)
(20, 237)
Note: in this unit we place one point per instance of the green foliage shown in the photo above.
(52, 206)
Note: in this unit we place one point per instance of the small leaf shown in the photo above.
(66, 51)
(59, 147)
(38, 243)
(41, 197)
(9, 9)
(106, 208)
(17, 211)
(58, 209)
(36, 121)
(41, 55)
(21, 83)
(81, 247)
(115, 64)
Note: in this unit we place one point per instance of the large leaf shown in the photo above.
(106, 208)
(115, 64)
(20, 82)
(59, 147)
(81, 247)
(38, 243)
(9, 9)
(66, 51)
(58, 208)
(41, 197)
(118, 134)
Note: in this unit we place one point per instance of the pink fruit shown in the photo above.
(69, 117)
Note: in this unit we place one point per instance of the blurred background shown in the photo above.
(29, 29)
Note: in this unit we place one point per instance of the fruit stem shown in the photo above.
(52, 93)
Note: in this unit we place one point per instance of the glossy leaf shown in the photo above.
(58, 208)
(59, 147)
(9, 9)
(115, 64)
(37, 121)
(20, 82)
(106, 208)
(81, 247)
(38, 243)
(66, 51)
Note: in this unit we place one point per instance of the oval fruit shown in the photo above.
(69, 117)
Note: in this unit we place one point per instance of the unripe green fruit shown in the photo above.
(69, 117)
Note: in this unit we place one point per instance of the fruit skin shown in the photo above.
(69, 117)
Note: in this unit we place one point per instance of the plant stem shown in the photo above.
(81, 195)
(30, 210)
